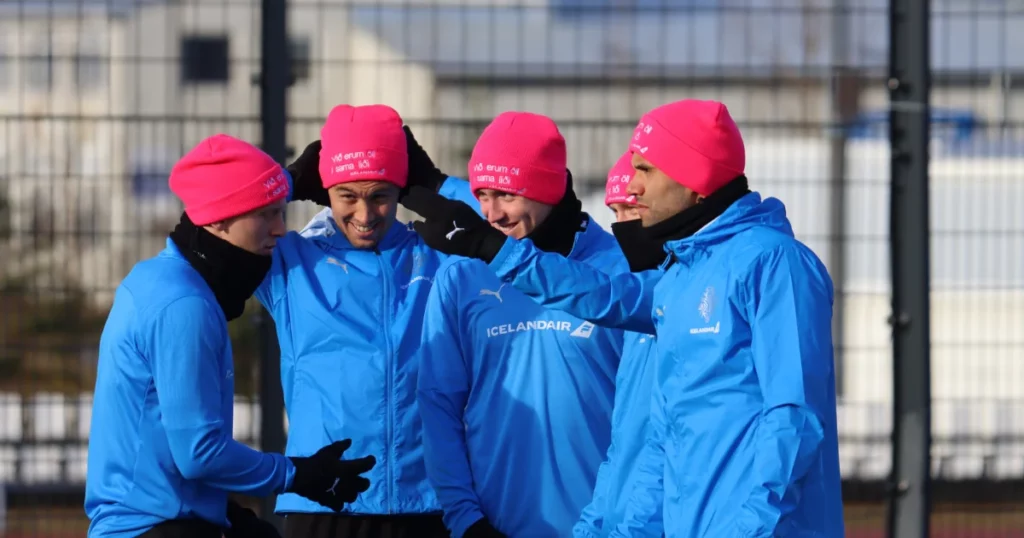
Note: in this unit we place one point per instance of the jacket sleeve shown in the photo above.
(643, 515)
(442, 391)
(622, 301)
(789, 298)
(186, 350)
(590, 523)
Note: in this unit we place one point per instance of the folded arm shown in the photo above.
(192, 382)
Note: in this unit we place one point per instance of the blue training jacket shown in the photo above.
(348, 323)
(742, 440)
(630, 417)
(160, 445)
(552, 282)
(516, 398)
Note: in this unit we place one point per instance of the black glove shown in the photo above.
(452, 227)
(482, 529)
(422, 171)
(327, 479)
(246, 524)
(305, 172)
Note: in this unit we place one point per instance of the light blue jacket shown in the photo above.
(348, 323)
(742, 440)
(516, 398)
(160, 444)
(552, 282)
(630, 418)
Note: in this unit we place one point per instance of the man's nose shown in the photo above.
(278, 228)
(491, 212)
(363, 213)
(635, 187)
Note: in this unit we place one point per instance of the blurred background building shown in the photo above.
(98, 98)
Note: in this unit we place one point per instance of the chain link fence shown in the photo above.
(98, 98)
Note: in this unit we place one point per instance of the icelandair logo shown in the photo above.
(714, 329)
(583, 331)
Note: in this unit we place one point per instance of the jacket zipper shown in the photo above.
(388, 378)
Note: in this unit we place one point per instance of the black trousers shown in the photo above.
(360, 526)
(184, 528)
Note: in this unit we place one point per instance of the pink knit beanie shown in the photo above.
(695, 142)
(520, 153)
(363, 143)
(618, 180)
(224, 177)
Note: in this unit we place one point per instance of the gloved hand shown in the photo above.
(327, 479)
(482, 529)
(305, 172)
(422, 171)
(452, 227)
(246, 524)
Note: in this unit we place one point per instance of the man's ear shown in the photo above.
(697, 198)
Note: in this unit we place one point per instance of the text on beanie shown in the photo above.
(363, 143)
(618, 180)
(520, 153)
(224, 177)
(694, 142)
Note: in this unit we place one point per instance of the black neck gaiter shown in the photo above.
(232, 273)
(558, 232)
(690, 221)
(642, 252)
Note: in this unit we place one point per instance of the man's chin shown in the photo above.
(515, 232)
(364, 243)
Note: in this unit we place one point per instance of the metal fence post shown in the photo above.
(274, 78)
(909, 118)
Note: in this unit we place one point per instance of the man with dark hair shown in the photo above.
(742, 439)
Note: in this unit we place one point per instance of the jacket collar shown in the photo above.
(324, 231)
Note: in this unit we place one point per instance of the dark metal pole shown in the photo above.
(274, 78)
(909, 118)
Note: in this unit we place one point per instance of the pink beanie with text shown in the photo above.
(694, 142)
(224, 177)
(618, 180)
(520, 153)
(363, 143)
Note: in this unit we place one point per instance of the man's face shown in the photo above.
(364, 210)
(514, 215)
(658, 197)
(256, 231)
(624, 212)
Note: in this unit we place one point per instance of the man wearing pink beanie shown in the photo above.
(742, 313)
(516, 399)
(161, 460)
(616, 198)
(347, 295)
(635, 376)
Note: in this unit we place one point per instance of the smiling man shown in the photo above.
(347, 295)
(742, 436)
(516, 398)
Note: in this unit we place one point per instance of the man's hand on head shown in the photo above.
(451, 226)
